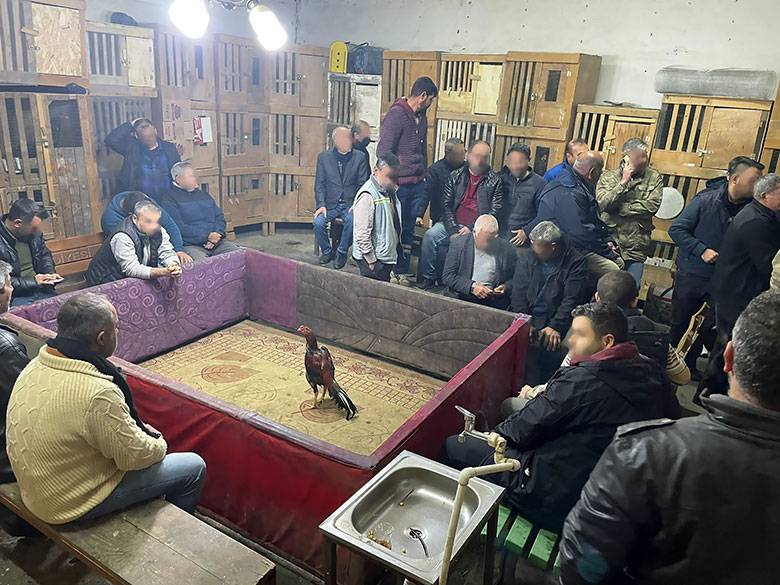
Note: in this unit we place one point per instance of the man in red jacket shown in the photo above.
(404, 133)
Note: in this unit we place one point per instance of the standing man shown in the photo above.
(522, 187)
(404, 133)
(574, 148)
(570, 203)
(200, 220)
(742, 271)
(698, 232)
(361, 136)
(22, 246)
(340, 172)
(377, 221)
(628, 197)
(139, 248)
(691, 501)
(148, 159)
(438, 173)
(480, 266)
(470, 191)
(13, 359)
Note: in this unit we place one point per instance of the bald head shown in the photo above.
(342, 139)
(589, 166)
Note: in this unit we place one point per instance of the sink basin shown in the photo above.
(400, 517)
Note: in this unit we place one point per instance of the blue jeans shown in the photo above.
(414, 200)
(39, 295)
(321, 229)
(435, 244)
(636, 269)
(179, 478)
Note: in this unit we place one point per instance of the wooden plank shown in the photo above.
(154, 543)
(718, 102)
(7, 34)
(119, 29)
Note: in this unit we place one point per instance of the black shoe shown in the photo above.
(426, 284)
(340, 262)
(325, 258)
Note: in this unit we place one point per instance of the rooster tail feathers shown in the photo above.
(342, 399)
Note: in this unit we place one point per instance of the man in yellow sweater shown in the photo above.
(75, 441)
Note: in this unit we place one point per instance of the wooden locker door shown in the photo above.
(488, 88)
(283, 140)
(257, 140)
(618, 132)
(457, 85)
(311, 136)
(304, 187)
(313, 76)
(21, 141)
(283, 80)
(245, 198)
(545, 154)
(139, 61)
(550, 95)
(732, 132)
(201, 73)
(257, 82)
(58, 42)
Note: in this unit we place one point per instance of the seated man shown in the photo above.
(560, 434)
(139, 248)
(437, 174)
(123, 205)
(619, 288)
(522, 187)
(570, 202)
(551, 279)
(13, 359)
(628, 197)
(340, 172)
(148, 160)
(361, 136)
(470, 191)
(480, 266)
(22, 246)
(377, 221)
(76, 444)
(200, 220)
(691, 501)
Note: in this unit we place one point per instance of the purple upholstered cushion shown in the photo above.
(157, 315)
(272, 288)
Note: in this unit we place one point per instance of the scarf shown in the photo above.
(75, 350)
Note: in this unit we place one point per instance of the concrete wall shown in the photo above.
(635, 39)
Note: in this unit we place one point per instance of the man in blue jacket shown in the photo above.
(200, 220)
(698, 232)
(122, 206)
(570, 203)
(574, 148)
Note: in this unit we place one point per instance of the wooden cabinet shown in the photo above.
(291, 197)
(184, 68)
(121, 60)
(607, 128)
(297, 78)
(470, 84)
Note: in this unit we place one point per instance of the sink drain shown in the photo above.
(416, 533)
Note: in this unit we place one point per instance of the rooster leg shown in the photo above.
(314, 389)
(324, 391)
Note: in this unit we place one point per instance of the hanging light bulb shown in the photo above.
(266, 25)
(191, 17)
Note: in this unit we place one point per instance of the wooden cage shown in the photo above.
(353, 97)
(121, 60)
(240, 71)
(291, 196)
(295, 140)
(607, 128)
(184, 67)
(467, 131)
(243, 139)
(470, 84)
(297, 80)
(244, 197)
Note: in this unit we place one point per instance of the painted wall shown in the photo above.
(635, 39)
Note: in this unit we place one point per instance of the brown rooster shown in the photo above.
(320, 371)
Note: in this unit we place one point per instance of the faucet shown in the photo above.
(501, 463)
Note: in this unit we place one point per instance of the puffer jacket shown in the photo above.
(43, 262)
(561, 433)
(490, 196)
(13, 359)
(691, 502)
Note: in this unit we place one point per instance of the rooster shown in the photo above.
(320, 371)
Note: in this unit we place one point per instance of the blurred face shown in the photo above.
(147, 134)
(26, 231)
(387, 178)
(544, 250)
(483, 239)
(105, 343)
(5, 295)
(479, 159)
(583, 339)
(187, 179)
(517, 163)
(576, 151)
(148, 222)
(426, 101)
(639, 159)
(741, 184)
(342, 140)
(364, 135)
(772, 200)
(456, 155)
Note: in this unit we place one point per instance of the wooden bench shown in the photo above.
(72, 257)
(154, 543)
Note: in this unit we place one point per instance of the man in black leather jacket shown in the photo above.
(13, 359)
(561, 433)
(22, 246)
(693, 501)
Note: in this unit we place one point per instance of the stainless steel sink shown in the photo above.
(400, 517)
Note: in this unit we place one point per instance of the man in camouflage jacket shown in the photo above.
(628, 197)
